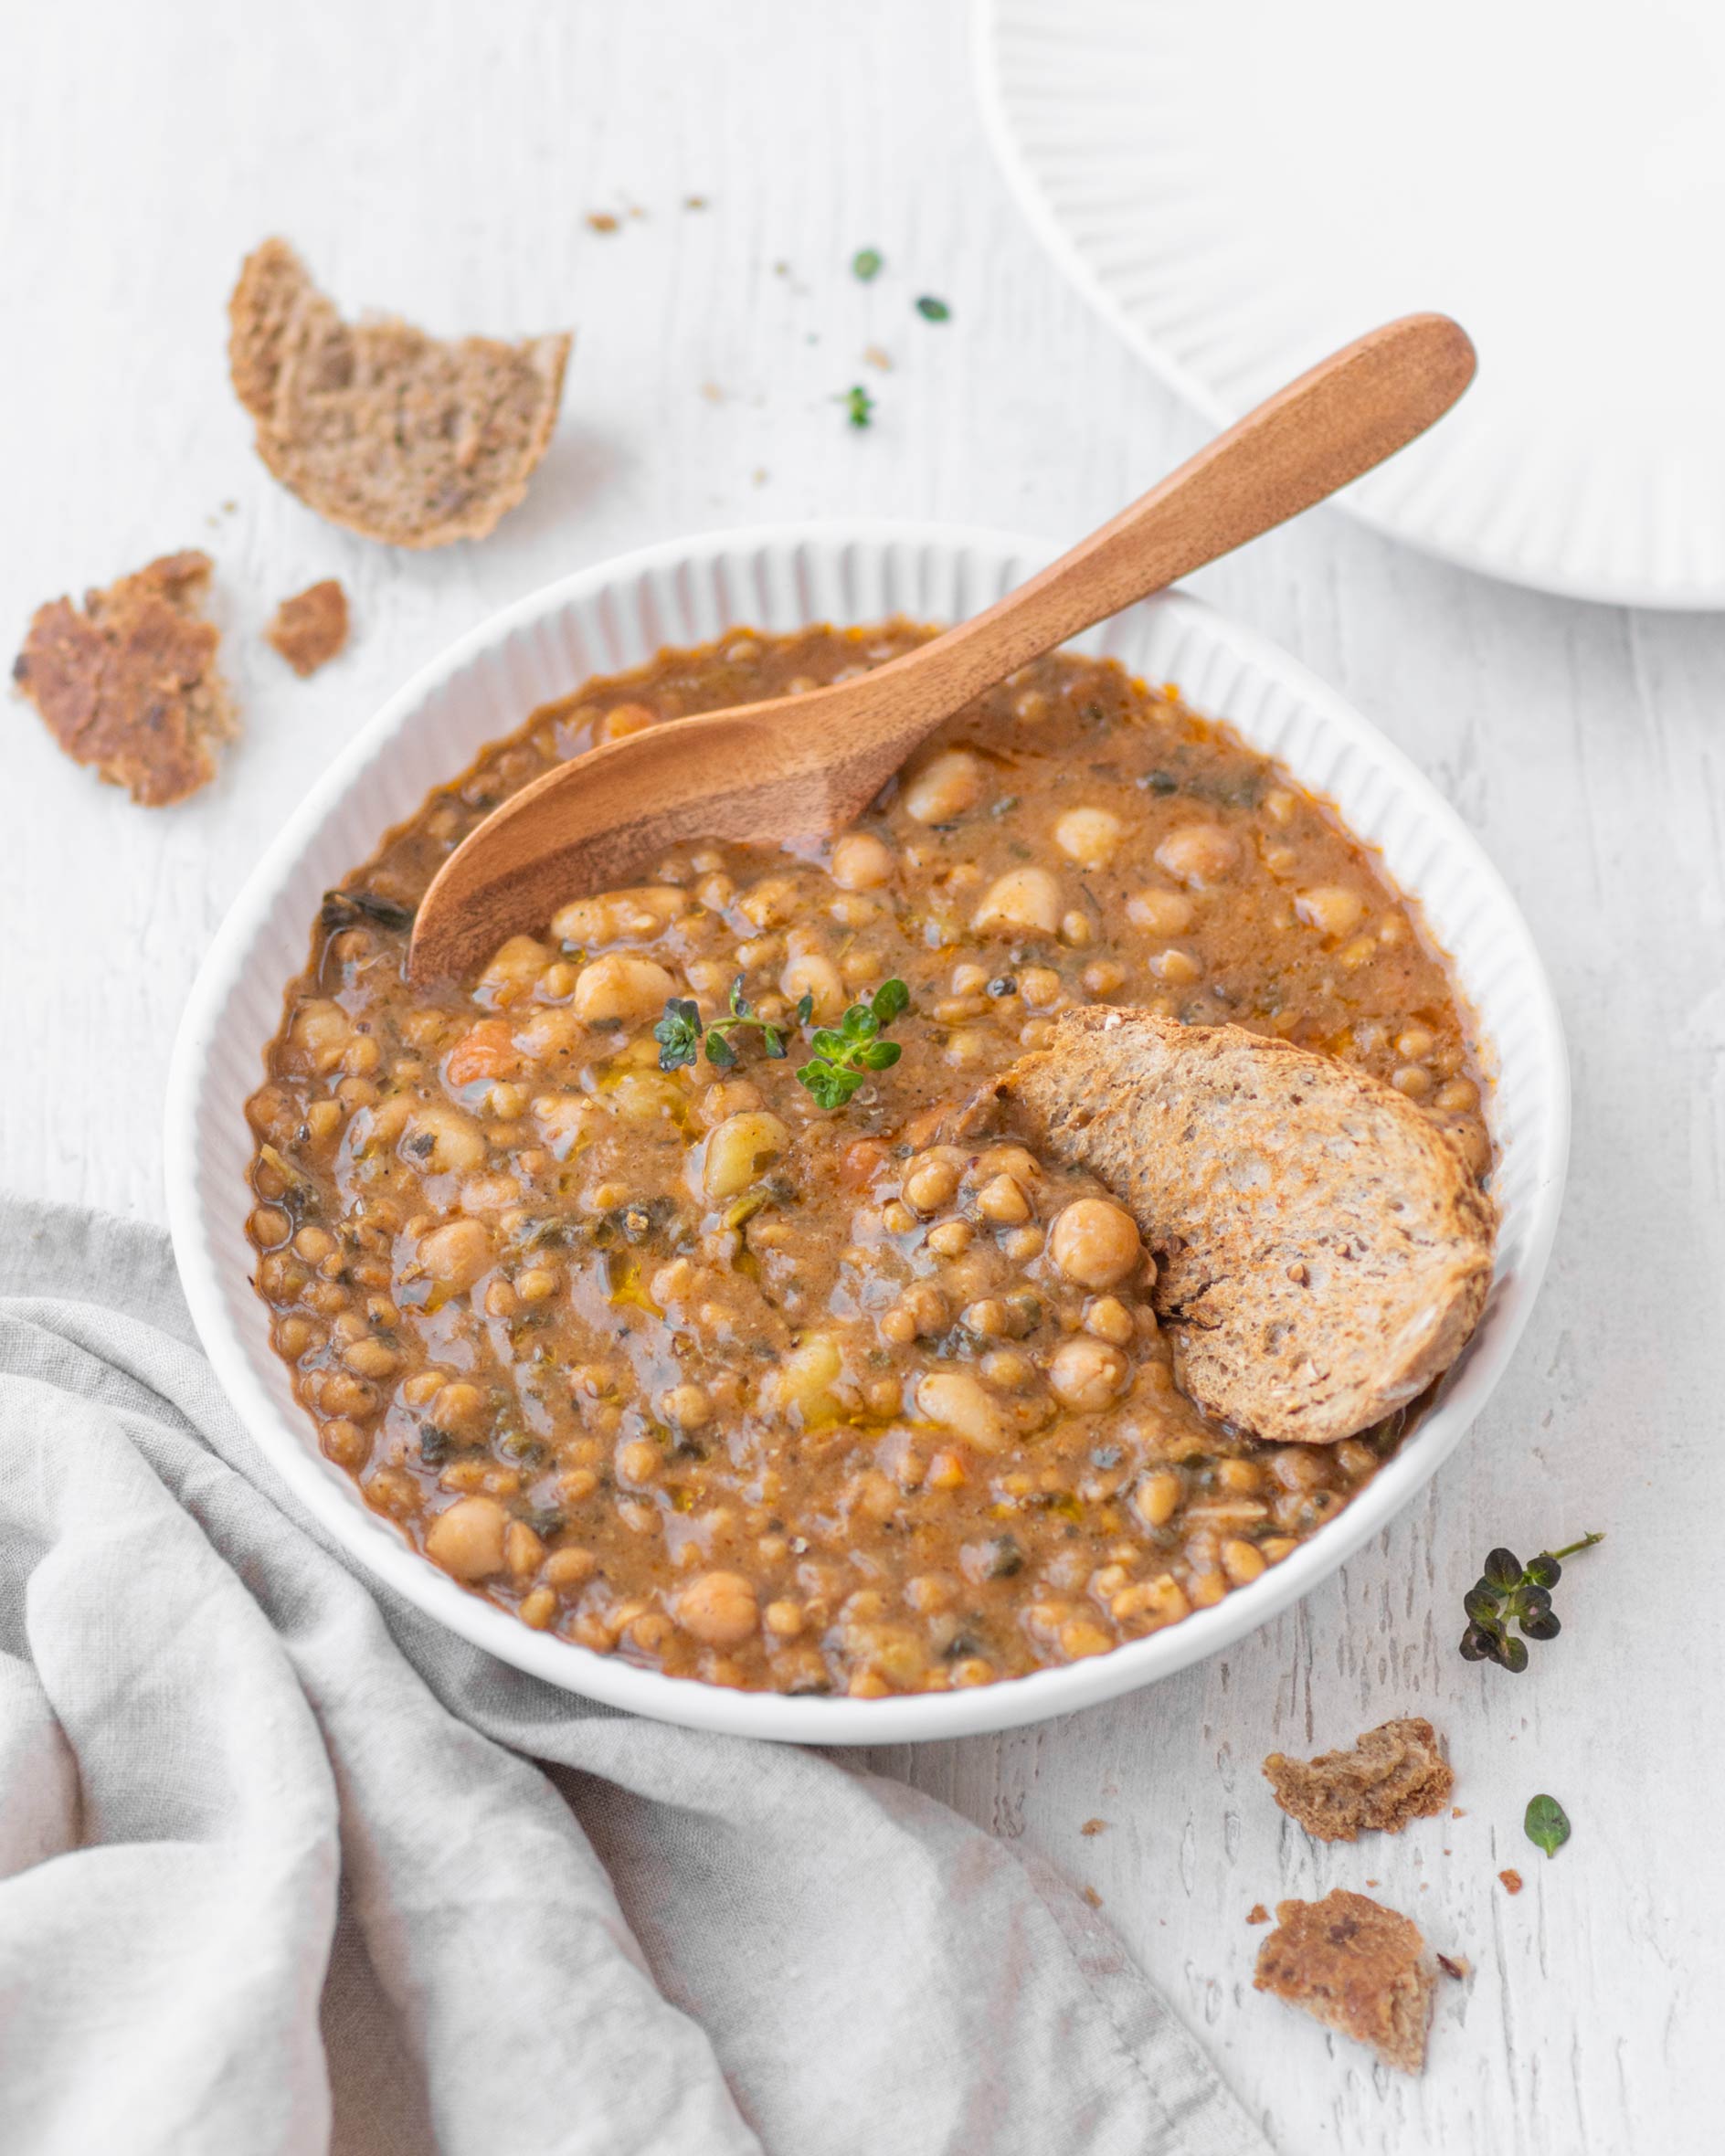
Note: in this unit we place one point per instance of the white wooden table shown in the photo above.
(442, 156)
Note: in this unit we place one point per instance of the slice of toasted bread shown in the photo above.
(1324, 1250)
(1394, 1773)
(406, 437)
(130, 683)
(1360, 1967)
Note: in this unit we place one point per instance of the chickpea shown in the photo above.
(515, 969)
(456, 1253)
(523, 1552)
(458, 1406)
(1001, 1200)
(930, 1182)
(617, 986)
(1089, 836)
(626, 718)
(1008, 1369)
(950, 1239)
(814, 974)
(1161, 912)
(784, 1619)
(467, 1540)
(687, 1406)
(1039, 987)
(1456, 1095)
(957, 1402)
(565, 1569)
(1021, 899)
(945, 786)
(372, 1359)
(1156, 1499)
(443, 1141)
(321, 1033)
(1413, 1078)
(1177, 967)
(768, 904)
(736, 1152)
(1108, 1318)
(719, 1608)
(1080, 1636)
(1095, 1243)
(1333, 909)
(1414, 1045)
(1086, 1373)
(730, 1096)
(1104, 977)
(1242, 1562)
(269, 1227)
(345, 1443)
(860, 862)
(1200, 854)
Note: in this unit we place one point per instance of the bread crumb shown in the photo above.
(407, 438)
(130, 684)
(1456, 1812)
(1360, 1969)
(875, 357)
(1394, 1773)
(1093, 1897)
(601, 220)
(1092, 1826)
(1460, 1969)
(311, 627)
(713, 392)
(1257, 1914)
(1512, 1881)
(695, 202)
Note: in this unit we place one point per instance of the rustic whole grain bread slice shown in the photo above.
(1357, 1967)
(1394, 1773)
(1323, 1249)
(311, 627)
(130, 683)
(406, 437)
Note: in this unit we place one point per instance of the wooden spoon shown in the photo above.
(803, 765)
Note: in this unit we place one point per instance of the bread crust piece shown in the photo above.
(130, 684)
(1394, 1773)
(311, 627)
(1324, 1251)
(404, 437)
(1357, 1967)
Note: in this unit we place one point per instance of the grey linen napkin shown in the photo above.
(283, 1867)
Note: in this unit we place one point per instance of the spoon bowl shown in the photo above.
(802, 766)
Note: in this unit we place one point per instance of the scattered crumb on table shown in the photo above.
(1093, 1897)
(601, 220)
(1257, 1914)
(1512, 1880)
(1092, 1826)
(1459, 1969)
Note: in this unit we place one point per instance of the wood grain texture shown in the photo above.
(438, 159)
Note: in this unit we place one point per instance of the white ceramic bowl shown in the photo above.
(619, 614)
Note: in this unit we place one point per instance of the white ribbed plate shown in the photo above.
(1242, 186)
(618, 615)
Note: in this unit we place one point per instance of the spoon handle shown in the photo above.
(1351, 412)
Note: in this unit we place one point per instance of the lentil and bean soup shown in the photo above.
(686, 1367)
